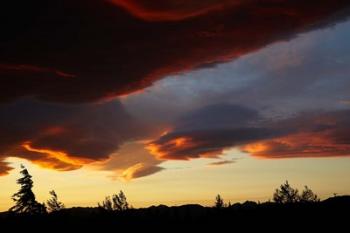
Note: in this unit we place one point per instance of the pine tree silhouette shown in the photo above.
(308, 195)
(54, 204)
(286, 194)
(219, 202)
(25, 198)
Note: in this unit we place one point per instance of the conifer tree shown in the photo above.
(286, 194)
(53, 203)
(25, 198)
(219, 202)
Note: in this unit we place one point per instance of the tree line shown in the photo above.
(285, 194)
(26, 203)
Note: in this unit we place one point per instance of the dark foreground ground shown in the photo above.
(332, 215)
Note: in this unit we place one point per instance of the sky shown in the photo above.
(174, 101)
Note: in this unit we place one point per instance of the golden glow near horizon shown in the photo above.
(182, 181)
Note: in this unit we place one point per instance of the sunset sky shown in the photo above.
(174, 101)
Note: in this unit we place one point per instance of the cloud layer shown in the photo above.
(318, 135)
(74, 51)
(64, 137)
(172, 10)
(321, 134)
(63, 62)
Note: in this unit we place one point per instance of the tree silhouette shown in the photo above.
(219, 202)
(106, 204)
(25, 198)
(308, 196)
(286, 194)
(118, 202)
(53, 203)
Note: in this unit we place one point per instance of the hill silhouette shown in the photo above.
(332, 213)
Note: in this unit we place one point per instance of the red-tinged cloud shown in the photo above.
(332, 140)
(208, 131)
(323, 134)
(206, 143)
(7, 69)
(84, 51)
(299, 145)
(172, 10)
(62, 137)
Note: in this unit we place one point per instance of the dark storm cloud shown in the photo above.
(65, 137)
(317, 134)
(81, 51)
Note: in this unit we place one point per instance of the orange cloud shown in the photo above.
(56, 159)
(166, 150)
(64, 137)
(206, 134)
(200, 144)
(305, 144)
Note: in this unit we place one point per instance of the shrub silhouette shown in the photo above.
(118, 202)
(25, 198)
(286, 194)
(53, 204)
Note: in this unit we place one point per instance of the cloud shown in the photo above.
(305, 74)
(139, 170)
(209, 143)
(4, 168)
(312, 134)
(172, 10)
(208, 131)
(131, 161)
(221, 163)
(323, 135)
(218, 116)
(65, 137)
(71, 51)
